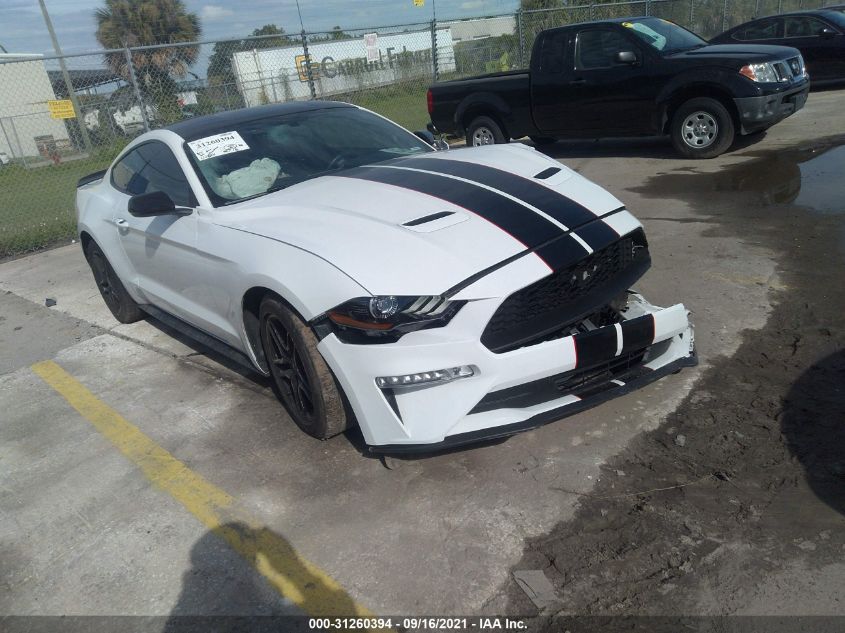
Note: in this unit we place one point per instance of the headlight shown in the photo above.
(384, 319)
(762, 73)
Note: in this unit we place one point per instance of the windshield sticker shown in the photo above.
(217, 145)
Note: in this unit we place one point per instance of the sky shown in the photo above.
(22, 28)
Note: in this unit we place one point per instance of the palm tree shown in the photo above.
(132, 23)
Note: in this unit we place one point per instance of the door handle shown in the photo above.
(121, 223)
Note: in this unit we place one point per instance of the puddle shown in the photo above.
(823, 182)
(812, 177)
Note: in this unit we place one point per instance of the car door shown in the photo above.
(607, 97)
(820, 44)
(161, 249)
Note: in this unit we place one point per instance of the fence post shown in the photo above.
(725, 16)
(134, 81)
(521, 36)
(71, 94)
(308, 71)
(18, 141)
(757, 9)
(780, 6)
(435, 71)
(692, 16)
(592, 11)
(647, 7)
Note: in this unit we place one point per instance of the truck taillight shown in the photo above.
(430, 101)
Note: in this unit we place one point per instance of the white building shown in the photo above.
(280, 74)
(25, 118)
(479, 29)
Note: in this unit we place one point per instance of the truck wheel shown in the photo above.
(484, 131)
(301, 379)
(702, 128)
(117, 299)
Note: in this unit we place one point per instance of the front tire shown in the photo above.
(301, 379)
(112, 290)
(484, 131)
(702, 128)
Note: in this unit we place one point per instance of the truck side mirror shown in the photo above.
(428, 136)
(628, 58)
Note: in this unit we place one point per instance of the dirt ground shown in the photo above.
(735, 503)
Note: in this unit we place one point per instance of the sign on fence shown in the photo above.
(61, 109)
(371, 44)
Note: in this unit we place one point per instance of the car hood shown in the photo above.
(395, 240)
(741, 53)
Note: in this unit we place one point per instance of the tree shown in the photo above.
(122, 23)
(220, 62)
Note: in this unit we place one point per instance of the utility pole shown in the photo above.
(79, 118)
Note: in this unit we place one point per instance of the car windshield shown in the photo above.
(665, 36)
(267, 154)
(837, 16)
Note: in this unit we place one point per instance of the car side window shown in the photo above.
(152, 167)
(553, 53)
(804, 26)
(762, 30)
(597, 48)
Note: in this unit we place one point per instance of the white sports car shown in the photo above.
(434, 298)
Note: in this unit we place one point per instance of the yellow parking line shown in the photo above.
(295, 578)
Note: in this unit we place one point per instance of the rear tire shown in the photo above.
(702, 128)
(484, 131)
(112, 290)
(302, 380)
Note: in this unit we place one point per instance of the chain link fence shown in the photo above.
(63, 118)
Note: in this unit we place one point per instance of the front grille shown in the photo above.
(568, 295)
(788, 70)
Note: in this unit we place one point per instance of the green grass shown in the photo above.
(37, 204)
(404, 103)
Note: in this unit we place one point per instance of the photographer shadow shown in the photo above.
(222, 594)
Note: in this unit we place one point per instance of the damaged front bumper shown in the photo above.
(508, 392)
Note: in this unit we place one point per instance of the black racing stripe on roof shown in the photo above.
(552, 203)
(520, 222)
(206, 125)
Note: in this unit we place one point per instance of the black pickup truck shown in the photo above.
(627, 77)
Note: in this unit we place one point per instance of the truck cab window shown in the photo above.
(552, 53)
(597, 48)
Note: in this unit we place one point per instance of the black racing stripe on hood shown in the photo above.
(523, 224)
(552, 203)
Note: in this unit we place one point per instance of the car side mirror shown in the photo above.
(146, 205)
(428, 137)
(827, 33)
(628, 58)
